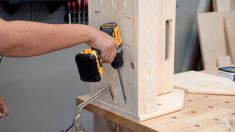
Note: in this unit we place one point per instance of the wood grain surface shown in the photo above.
(202, 113)
(204, 83)
(213, 41)
(148, 30)
(230, 33)
(212, 38)
(223, 5)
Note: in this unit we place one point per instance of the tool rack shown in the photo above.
(49, 11)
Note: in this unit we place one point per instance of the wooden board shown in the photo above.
(212, 37)
(166, 103)
(230, 33)
(147, 72)
(203, 83)
(224, 61)
(103, 125)
(233, 4)
(202, 113)
(223, 5)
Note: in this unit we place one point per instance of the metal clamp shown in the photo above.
(77, 123)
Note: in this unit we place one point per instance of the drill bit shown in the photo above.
(122, 86)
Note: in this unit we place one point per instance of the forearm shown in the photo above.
(22, 39)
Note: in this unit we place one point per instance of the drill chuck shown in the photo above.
(118, 60)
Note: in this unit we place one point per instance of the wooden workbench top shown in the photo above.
(202, 113)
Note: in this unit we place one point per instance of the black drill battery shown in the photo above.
(89, 65)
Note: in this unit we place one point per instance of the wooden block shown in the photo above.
(230, 33)
(224, 61)
(223, 5)
(203, 83)
(148, 30)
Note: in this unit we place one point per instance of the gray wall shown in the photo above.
(40, 91)
(186, 14)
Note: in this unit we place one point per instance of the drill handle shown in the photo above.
(118, 60)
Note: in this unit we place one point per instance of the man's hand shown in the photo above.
(3, 108)
(105, 44)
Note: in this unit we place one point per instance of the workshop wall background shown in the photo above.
(40, 91)
(186, 16)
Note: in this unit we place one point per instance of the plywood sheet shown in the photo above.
(230, 33)
(233, 4)
(212, 38)
(198, 82)
(224, 61)
(223, 5)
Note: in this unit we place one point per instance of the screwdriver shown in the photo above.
(74, 8)
(85, 3)
(69, 11)
(79, 10)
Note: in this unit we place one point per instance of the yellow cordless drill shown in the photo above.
(89, 62)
